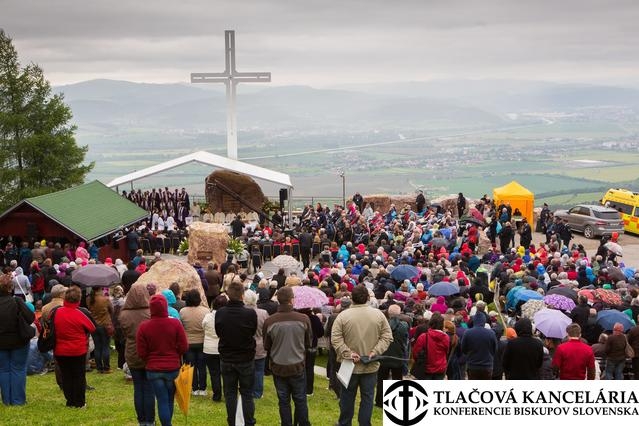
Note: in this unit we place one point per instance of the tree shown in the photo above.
(38, 152)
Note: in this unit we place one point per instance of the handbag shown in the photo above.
(630, 353)
(28, 297)
(25, 331)
(419, 366)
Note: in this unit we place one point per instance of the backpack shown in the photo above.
(46, 341)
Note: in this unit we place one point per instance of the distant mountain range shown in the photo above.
(445, 104)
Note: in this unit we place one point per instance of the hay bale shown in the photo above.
(166, 272)
(207, 242)
(242, 185)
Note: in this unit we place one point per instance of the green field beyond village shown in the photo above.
(562, 163)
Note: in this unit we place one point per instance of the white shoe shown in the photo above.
(195, 393)
(203, 393)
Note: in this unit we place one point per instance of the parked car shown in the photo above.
(592, 220)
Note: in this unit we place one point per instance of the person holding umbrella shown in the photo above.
(102, 310)
(574, 360)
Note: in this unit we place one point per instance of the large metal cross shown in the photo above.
(231, 77)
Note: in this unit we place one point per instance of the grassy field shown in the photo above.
(111, 403)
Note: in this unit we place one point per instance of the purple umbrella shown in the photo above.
(560, 302)
(552, 323)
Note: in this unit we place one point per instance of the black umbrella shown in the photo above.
(564, 291)
(95, 275)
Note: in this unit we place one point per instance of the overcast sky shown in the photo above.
(328, 42)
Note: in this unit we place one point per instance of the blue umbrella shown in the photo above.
(404, 272)
(443, 288)
(607, 319)
(521, 294)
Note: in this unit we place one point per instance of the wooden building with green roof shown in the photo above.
(89, 212)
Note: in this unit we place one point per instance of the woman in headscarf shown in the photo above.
(134, 312)
(14, 348)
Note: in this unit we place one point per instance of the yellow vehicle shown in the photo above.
(625, 202)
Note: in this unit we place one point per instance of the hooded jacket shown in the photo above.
(524, 355)
(440, 306)
(21, 283)
(134, 312)
(438, 346)
(161, 341)
(479, 344)
(171, 300)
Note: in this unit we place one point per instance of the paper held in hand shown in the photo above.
(345, 372)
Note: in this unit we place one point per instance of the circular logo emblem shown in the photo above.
(405, 403)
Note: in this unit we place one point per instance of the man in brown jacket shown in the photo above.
(287, 336)
(615, 353)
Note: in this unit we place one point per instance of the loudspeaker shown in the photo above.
(283, 195)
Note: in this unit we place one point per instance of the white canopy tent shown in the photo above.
(212, 160)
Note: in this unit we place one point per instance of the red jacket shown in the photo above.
(72, 329)
(161, 341)
(438, 344)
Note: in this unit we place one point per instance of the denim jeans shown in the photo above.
(240, 375)
(102, 351)
(164, 390)
(13, 375)
(614, 369)
(366, 384)
(292, 387)
(258, 386)
(195, 357)
(213, 364)
(143, 397)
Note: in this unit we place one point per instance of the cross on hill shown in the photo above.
(231, 78)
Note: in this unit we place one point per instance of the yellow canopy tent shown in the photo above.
(518, 197)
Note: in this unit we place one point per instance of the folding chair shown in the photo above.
(146, 245)
(295, 251)
(277, 250)
(267, 252)
(316, 250)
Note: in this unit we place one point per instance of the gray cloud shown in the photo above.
(320, 43)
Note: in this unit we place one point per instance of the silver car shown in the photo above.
(592, 220)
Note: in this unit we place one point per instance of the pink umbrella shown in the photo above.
(308, 297)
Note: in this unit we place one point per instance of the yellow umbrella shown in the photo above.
(183, 385)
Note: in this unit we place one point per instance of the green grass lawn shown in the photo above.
(111, 403)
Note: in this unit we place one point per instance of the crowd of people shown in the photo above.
(415, 291)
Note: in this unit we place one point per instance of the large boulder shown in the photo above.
(166, 272)
(382, 202)
(207, 242)
(243, 185)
